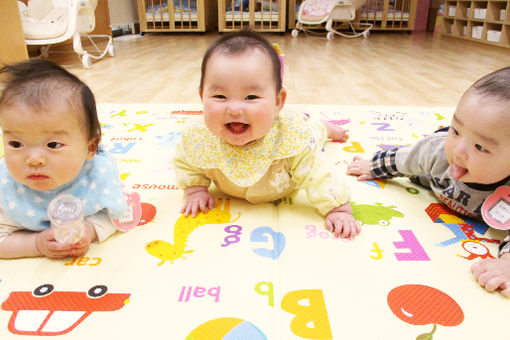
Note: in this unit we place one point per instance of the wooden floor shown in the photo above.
(385, 69)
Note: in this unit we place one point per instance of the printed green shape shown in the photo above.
(374, 213)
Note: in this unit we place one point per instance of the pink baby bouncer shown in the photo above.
(315, 12)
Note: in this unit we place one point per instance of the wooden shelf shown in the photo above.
(483, 21)
(12, 40)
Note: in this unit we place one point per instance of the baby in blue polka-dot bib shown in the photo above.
(51, 136)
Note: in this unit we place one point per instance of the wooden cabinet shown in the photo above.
(175, 15)
(12, 40)
(394, 15)
(259, 15)
(485, 21)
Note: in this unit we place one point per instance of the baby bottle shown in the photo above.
(66, 216)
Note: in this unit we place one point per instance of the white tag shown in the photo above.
(128, 216)
(500, 211)
(496, 208)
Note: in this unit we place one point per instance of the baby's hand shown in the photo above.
(336, 132)
(493, 274)
(51, 248)
(360, 167)
(81, 247)
(345, 136)
(342, 224)
(342, 135)
(197, 199)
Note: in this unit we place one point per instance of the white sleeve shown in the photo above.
(7, 227)
(103, 225)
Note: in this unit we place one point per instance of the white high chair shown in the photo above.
(47, 22)
(315, 12)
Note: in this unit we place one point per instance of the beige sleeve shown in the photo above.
(103, 225)
(324, 188)
(186, 174)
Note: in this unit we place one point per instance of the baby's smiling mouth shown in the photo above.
(237, 128)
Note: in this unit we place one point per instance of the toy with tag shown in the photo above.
(496, 209)
(132, 216)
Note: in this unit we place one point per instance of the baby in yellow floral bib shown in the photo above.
(250, 149)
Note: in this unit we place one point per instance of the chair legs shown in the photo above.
(364, 27)
(86, 56)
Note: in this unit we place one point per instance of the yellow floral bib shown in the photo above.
(245, 165)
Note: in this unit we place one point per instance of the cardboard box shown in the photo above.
(480, 13)
(476, 32)
(493, 36)
(451, 11)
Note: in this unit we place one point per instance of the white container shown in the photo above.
(451, 11)
(467, 12)
(476, 32)
(464, 30)
(66, 215)
(493, 36)
(480, 13)
(502, 15)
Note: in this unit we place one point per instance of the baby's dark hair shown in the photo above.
(38, 83)
(239, 42)
(495, 84)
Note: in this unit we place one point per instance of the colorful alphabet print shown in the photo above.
(475, 250)
(310, 314)
(263, 234)
(377, 183)
(374, 213)
(463, 227)
(340, 121)
(422, 305)
(148, 213)
(48, 312)
(169, 140)
(184, 112)
(166, 251)
(225, 329)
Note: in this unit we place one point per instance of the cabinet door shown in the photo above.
(12, 39)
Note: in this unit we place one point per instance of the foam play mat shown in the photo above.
(268, 271)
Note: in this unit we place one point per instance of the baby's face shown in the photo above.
(478, 141)
(44, 149)
(239, 97)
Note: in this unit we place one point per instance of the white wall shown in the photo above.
(122, 12)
